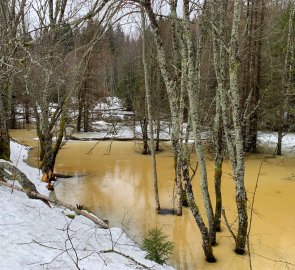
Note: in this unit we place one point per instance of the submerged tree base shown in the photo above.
(166, 211)
(240, 251)
(211, 260)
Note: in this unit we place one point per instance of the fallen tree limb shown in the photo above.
(126, 256)
(9, 171)
(36, 195)
(227, 224)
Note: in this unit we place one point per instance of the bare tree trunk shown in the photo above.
(192, 88)
(279, 144)
(13, 124)
(174, 105)
(252, 71)
(218, 161)
(27, 112)
(149, 110)
(178, 110)
(144, 130)
(239, 164)
(80, 109)
(219, 60)
(172, 96)
(51, 150)
(4, 137)
(158, 135)
(10, 18)
(206, 242)
(4, 141)
(85, 107)
(234, 140)
(288, 78)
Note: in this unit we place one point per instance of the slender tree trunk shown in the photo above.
(172, 95)
(27, 113)
(206, 242)
(279, 144)
(253, 70)
(239, 170)
(10, 18)
(179, 109)
(144, 130)
(149, 110)
(13, 124)
(4, 139)
(4, 106)
(192, 88)
(288, 78)
(218, 161)
(218, 195)
(85, 108)
(234, 140)
(173, 102)
(80, 109)
(158, 135)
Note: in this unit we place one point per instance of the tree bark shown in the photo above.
(206, 242)
(4, 137)
(234, 139)
(193, 83)
(239, 163)
(172, 96)
(279, 144)
(218, 162)
(149, 110)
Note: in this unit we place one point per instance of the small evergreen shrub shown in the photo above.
(158, 248)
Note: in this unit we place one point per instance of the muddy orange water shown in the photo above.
(118, 187)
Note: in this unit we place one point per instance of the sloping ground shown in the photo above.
(34, 236)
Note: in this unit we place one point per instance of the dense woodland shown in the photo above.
(221, 67)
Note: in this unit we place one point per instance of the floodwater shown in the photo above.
(117, 186)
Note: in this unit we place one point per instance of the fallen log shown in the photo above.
(32, 194)
(10, 172)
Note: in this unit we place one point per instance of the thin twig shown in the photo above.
(227, 224)
(251, 215)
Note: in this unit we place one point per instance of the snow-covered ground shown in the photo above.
(117, 131)
(34, 236)
(269, 141)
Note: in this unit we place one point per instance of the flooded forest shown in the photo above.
(139, 134)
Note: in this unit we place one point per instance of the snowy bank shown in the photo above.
(34, 236)
(270, 140)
